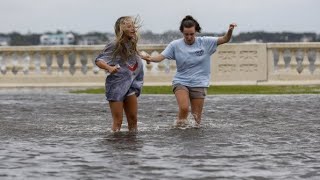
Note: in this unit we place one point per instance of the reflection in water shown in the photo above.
(123, 141)
(66, 136)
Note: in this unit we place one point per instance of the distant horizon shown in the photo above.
(54, 31)
(84, 16)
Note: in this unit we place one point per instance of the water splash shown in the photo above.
(188, 123)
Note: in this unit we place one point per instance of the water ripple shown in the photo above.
(46, 135)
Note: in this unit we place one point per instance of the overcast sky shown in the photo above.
(84, 16)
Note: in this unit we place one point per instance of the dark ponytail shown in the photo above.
(189, 22)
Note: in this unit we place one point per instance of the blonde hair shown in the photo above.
(125, 47)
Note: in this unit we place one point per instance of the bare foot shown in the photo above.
(181, 123)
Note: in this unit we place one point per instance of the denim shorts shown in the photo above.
(194, 92)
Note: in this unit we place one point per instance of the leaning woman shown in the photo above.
(121, 59)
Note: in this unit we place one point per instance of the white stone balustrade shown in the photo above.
(56, 66)
(294, 63)
(63, 66)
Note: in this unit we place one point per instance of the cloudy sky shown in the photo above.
(83, 16)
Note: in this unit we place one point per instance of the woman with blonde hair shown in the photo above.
(122, 60)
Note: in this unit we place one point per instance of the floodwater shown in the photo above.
(57, 135)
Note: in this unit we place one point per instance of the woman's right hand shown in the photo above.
(113, 69)
(146, 57)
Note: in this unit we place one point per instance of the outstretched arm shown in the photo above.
(226, 38)
(157, 58)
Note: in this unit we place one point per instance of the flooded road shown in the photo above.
(57, 135)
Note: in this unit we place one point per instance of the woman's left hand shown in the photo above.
(232, 26)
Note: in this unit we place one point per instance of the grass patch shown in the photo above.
(315, 89)
(264, 90)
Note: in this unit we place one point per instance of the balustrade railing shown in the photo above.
(294, 61)
(271, 63)
(67, 66)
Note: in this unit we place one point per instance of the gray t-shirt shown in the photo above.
(128, 79)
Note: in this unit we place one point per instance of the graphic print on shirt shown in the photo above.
(132, 67)
(199, 52)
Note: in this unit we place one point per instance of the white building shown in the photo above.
(57, 39)
(90, 40)
(4, 41)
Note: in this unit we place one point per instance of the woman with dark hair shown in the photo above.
(192, 55)
(122, 60)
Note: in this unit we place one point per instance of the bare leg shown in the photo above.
(196, 109)
(117, 114)
(131, 110)
(182, 97)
